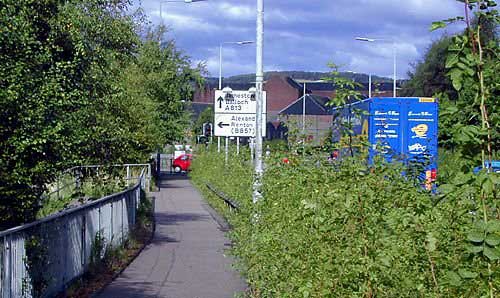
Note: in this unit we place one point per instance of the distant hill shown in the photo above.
(300, 75)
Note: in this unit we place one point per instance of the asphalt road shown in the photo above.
(186, 258)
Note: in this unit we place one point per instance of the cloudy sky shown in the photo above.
(304, 34)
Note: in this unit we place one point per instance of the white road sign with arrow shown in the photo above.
(237, 125)
(238, 102)
(235, 114)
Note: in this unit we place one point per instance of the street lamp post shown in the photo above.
(370, 85)
(242, 42)
(259, 82)
(393, 57)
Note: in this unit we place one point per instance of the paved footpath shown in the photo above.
(186, 258)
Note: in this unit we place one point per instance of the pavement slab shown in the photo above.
(187, 257)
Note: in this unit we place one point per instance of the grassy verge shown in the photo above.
(349, 230)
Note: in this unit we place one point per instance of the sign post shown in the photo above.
(235, 114)
(260, 107)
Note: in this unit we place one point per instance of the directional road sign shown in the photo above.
(237, 125)
(235, 114)
(237, 102)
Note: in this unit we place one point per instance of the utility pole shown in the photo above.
(394, 60)
(394, 68)
(259, 82)
(370, 85)
(304, 110)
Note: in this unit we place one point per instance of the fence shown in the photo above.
(70, 179)
(40, 259)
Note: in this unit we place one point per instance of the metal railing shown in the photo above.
(70, 179)
(232, 204)
(42, 258)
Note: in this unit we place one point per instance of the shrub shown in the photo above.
(349, 230)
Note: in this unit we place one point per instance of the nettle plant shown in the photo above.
(346, 91)
(472, 65)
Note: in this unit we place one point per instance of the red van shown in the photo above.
(182, 163)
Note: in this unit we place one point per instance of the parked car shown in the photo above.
(182, 163)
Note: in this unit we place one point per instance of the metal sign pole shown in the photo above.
(259, 99)
(237, 145)
(218, 144)
(251, 149)
(227, 147)
(370, 85)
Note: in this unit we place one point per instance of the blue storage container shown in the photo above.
(399, 128)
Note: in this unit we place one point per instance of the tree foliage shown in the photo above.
(207, 116)
(429, 75)
(79, 86)
(472, 66)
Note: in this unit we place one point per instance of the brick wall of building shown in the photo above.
(204, 95)
(280, 93)
(325, 93)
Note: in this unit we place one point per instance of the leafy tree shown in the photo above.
(347, 91)
(207, 116)
(169, 81)
(429, 75)
(472, 64)
(54, 62)
(78, 86)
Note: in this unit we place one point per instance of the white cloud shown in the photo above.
(186, 22)
(307, 34)
(235, 11)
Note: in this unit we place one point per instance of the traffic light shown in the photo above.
(207, 129)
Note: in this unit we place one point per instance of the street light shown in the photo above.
(175, 1)
(394, 59)
(259, 84)
(369, 81)
(243, 42)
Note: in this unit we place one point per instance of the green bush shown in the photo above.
(347, 230)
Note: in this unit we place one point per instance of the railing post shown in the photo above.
(99, 220)
(123, 198)
(2, 269)
(77, 178)
(11, 266)
(84, 238)
(111, 228)
(65, 227)
(128, 175)
(149, 178)
(57, 185)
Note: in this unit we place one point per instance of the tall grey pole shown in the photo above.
(370, 85)
(252, 149)
(259, 101)
(220, 86)
(304, 110)
(161, 11)
(220, 66)
(394, 65)
(227, 148)
(237, 145)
